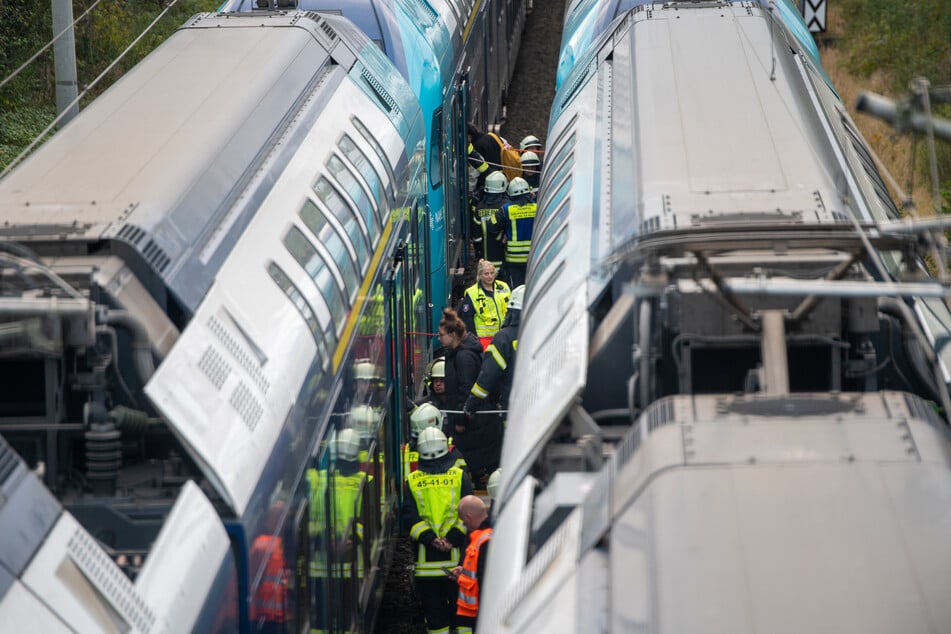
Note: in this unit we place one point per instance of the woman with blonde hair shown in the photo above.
(485, 303)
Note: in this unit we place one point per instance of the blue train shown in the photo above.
(735, 417)
(217, 282)
(585, 20)
(458, 57)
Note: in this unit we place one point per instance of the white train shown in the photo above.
(730, 409)
(204, 274)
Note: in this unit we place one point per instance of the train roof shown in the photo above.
(655, 141)
(372, 17)
(723, 513)
(585, 20)
(167, 167)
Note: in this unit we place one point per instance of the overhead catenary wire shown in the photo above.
(46, 46)
(19, 157)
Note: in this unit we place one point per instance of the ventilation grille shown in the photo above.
(428, 10)
(628, 447)
(660, 414)
(575, 87)
(380, 92)
(110, 581)
(154, 254)
(246, 405)
(328, 30)
(540, 563)
(132, 234)
(252, 367)
(214, 366)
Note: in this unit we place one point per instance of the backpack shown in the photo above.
(511, 160)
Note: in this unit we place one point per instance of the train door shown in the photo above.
(400, 293)
(457, 146)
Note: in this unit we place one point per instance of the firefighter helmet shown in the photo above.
(530, 161)
(517, 298)
(426, 415)
(365, 370)
(518, 187)
(347, 444)
(364, 419)
(438, 369)
(493, 484)
(432, 444)
(495, 183)
(530, 142)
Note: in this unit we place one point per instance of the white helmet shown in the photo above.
(365, 370)
(432, 444)
(495, 183)
(438, 369)
(347, 444)
(530, 160)
(426, 415)
(530, 142)
(492, 486)
(517, 298)
(364, 419)
(518, 186)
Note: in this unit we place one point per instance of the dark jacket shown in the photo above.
(498, 367)
(462, 369)
(486, 234)
(489, 149)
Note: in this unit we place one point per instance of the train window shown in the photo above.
(550, 224)
(285, 284)
(347, 217)
(316, 221)
(308, 257)
(357, 194)
(559, 194)
(536, 291)
(363, 165)
(549, 251)
(380, 154)
(435, 151)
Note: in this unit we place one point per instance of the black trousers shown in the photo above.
(438, 597)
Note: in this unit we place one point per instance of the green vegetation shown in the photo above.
(901, 41)
(28, 102)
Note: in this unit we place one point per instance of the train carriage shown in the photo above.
(733, 416)
(210, 275)
(458, 57)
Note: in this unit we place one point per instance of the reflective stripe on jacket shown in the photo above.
(437, 497)
(468, 602)
(519, 221)
(489, 311)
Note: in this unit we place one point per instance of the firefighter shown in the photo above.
(426, 415)
(486, 239)
(336, 523)
(430, 500)
(498, 363)
(485, 303)
(532, 172)
(516, 219)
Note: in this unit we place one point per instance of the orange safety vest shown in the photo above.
(468, 602)
(270, 597)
